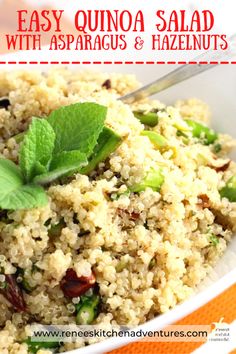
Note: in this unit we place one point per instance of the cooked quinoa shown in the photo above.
(147, 251)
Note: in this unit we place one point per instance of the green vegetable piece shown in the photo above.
(63, 164)
(116, 196)
(154, 179)
(13, 193)
(158, 140)
(10, 177)
(214, 240)
(147, 118)
(87, 309)
(77, 127)
(55, 230)
(85, 315)
(24, 283)
(202, 132)
(121, 265)
(36, 148)
(229, 191)
(108, 141)
(152, 263)
(217, 148)
(33, 347)
(185, 137)
(26, 286)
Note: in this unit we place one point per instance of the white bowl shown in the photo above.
(217, 87)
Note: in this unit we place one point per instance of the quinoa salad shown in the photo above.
(110, 213)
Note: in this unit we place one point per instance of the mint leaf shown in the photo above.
(36, 149)
(77, 127)
(10, 177)
(13, 193)
(62, 164)
(68, 159)
(24, 197)
(39, 169)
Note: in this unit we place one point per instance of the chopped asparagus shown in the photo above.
(34, 347)
(229, 191)
(147, 118)
(207, 135)
(154, 179)
(158, 140)
(87, 309)
(108, 141)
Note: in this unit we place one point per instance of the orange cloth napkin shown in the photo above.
(223, 305)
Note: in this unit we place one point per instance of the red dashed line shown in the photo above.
(116, 62)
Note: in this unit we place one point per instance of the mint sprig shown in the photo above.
(70, 139)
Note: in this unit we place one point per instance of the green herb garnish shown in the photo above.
(53, 148)
(37, 148)
(23, 281)
(14, 193)
(56, 229)
(214, 240)
(77, 127)
(217, 148)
